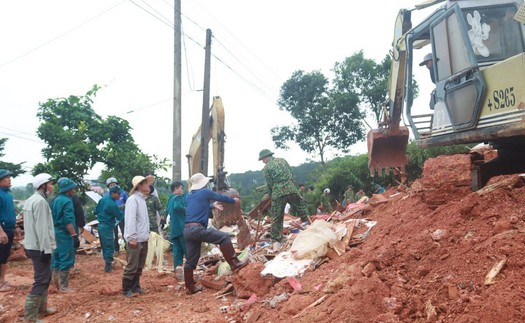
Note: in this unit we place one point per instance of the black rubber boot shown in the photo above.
(190, 283)
(229, 255)
(126, 287)
(108, 267)
(135, 286)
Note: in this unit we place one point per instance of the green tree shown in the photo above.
(16, 169)
(77, 138)
(363, 78)
(323, 118)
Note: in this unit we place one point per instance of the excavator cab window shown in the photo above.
(493, 32)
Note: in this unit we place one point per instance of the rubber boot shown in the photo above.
(63, 282)
(108, 267)
(43, 310)
(229, 255)
(126, 287)
(190, 283)
(54, 278)
(135, 287)
(31, 308)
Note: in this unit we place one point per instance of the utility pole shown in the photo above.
(177, 99)
(205, 124)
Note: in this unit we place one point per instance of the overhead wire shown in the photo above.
(61, 35)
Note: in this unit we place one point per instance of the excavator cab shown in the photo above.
(478, 85)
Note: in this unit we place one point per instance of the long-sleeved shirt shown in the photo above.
(177, 215)
(123, 197)
(136, 218)
(155, 212)
(108, 212)
(279, 178)
(7, 210)
(198, 205)
(63, 212)
(39, 232)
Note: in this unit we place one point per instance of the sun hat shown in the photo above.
(428, 57)
(136, 181)
(265, 153)
(198, 181)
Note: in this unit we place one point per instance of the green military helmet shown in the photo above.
(265, 153)
(5, 173)
(115, 189)
(65, 184)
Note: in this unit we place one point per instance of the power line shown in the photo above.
(60, 36)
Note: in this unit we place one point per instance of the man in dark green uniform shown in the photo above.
(63, 257)
(279, 180)
(325, 205)
(310, 201)
(177, 211)
(108, 213)
(349, 195)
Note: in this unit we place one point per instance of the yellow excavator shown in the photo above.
(231, 213)
(476, 50)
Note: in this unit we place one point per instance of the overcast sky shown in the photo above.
(53, 49)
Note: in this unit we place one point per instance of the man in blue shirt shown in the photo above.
(196, 229)
(7, 224)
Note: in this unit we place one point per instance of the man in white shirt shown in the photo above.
(136, 233)
(39, 243)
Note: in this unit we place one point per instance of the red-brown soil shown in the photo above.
(425, 261)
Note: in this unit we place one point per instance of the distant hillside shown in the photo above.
(246, 182)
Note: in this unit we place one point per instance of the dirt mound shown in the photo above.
(426, 260)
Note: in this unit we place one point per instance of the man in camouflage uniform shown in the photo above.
(278, 176)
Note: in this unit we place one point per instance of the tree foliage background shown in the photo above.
(77, 139)
(15, 168)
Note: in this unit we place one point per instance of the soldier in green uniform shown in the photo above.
(359, 195)
(310, 201)
(349, 195)
(278, 175)
(63, 257)
(325, 205)
(108, 213)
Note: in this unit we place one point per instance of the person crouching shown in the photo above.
(196, 230)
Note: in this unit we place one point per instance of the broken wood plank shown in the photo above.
(317, 302)
(494, 271)
(88, 236)
(512, 182)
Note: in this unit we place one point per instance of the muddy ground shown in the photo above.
(426, 260)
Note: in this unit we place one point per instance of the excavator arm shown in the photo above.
(387, 144)
(232, 213)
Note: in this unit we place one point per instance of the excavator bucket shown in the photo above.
(387, 149)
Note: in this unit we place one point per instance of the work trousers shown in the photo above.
(136, 259)
(297, 204)
(42, 274)
(179, 250)
(63, 257)
(194, 236)
(107, 240)
(155, 248)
